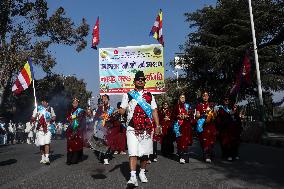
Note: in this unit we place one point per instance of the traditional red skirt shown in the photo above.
(75, 140)
(185, 139)
(207, 138)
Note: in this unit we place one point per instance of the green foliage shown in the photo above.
(27, 30)
(214, 52)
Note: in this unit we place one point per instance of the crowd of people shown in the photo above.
(137, 125)
(18, 133)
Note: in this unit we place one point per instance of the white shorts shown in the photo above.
(31, 134)
(139, 145)
(42, 138)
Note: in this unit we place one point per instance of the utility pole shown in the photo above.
(176, 74)
(178, 59)
(256, 62)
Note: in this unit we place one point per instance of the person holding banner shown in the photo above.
(74, 133)
(205, 127)
(44, 116)
(183, 118)
(141, 109)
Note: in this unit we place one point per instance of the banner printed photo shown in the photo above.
(117, 67)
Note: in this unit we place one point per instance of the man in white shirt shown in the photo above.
(11, 132)
(141, 109)
(44, 114)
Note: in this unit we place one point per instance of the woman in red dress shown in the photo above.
(117, 133)
(229, 126)
(168, 137)
(74, 133)
(207, 136)
(183, 119)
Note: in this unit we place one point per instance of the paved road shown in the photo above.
(259, 167)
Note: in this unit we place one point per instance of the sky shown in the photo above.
(122, 23)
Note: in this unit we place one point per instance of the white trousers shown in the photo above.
(42, 138)
(139, 145)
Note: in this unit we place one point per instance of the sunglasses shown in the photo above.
(140, 79)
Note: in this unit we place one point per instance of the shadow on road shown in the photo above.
(173, 157)
(99, 176)
(252, 172)
(130, 186)
(8, 162)
(99, 173)
(258, 165)
(85, 157)
(124, 169)
(54, 157)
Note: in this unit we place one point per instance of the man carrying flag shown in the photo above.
(44, 116)
(157, 29)
(96, 35)
(24, 79)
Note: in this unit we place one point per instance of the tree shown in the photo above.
(214, 52)
(26, 30)
(58, 90)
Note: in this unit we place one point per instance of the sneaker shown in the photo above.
(155, 160)
(122, 153)
(208, 160)
(42, 161)
(182, 161)
(149, 162)
(116, 152)
(237, 157)
(47, 162)
(143, 177)
(132, 182)
(230, 159)
(106, 162)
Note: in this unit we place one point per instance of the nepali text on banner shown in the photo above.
(118, 66)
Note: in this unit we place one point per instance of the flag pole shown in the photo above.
(34, 94)
(256, 62)
(32, 72)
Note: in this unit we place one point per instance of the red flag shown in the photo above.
(157, 29)
(236, 87)
(96, 34)
(243, 76)
(246, 69)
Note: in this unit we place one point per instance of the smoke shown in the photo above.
(61, 104)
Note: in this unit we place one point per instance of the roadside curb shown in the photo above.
(277, 141)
